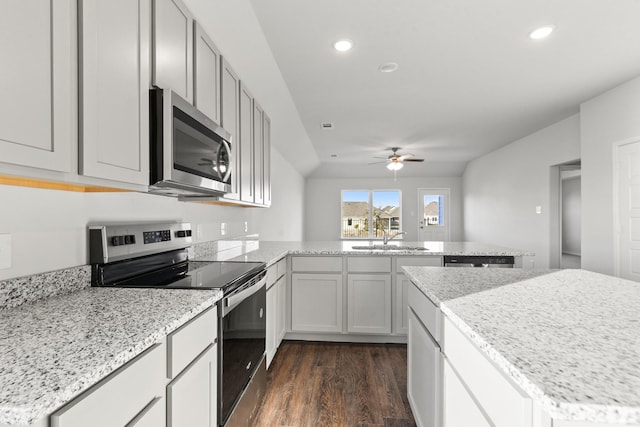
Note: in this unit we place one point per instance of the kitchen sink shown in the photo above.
(389, 248)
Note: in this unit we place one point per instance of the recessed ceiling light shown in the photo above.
(326, 125)
(388, 67)
(343, 45)
(542, 32)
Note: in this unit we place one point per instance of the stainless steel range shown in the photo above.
(154, 255)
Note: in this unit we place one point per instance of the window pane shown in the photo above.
(433, 214)
(355, 214)
(386, 213)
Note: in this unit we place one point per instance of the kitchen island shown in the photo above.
(565, 345)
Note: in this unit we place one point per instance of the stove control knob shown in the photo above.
(181, 233)
(115, 240)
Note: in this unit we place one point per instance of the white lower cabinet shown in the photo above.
(272, 309)
(424, 374)
(369, 303)
(460, 410)
(502, 402)
(401, 304)
(192, 395)
(316, 302)
(132, 395)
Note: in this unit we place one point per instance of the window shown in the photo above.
(368, 214)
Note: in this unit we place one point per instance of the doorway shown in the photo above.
(566, 222)
(433, 214)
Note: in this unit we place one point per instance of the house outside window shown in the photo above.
(368, 214)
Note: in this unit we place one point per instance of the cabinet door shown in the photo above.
(246, 145)
(114, 102)
(173, 47)
(153, 415)
(401, 304)
(230, 120)
(258, 158)
(38, 51)
(281, 328)
(272, 314)
(192, 396)
(266, 157)
(206, 81)
(424, 375)
(460, 410)
(369, 303)
(120, 398)
(316, 302)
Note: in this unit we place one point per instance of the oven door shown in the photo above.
(242, 337)
(189, 151)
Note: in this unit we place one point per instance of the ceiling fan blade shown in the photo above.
(377, 163)
(414, 160)
(405, 156)
(376, 157)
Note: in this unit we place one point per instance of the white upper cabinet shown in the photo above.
(173, 47)
(258, 153)
(38, 85)
(266, 157)
(114, 81)
(206, 82)
(230, 121)
(246, 145)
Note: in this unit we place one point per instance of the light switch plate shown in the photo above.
(223, 228)
(5, 251)
(538, 209)
(246, 226)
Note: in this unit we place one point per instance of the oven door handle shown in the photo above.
(230, 302)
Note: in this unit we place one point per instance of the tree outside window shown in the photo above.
(380, 208)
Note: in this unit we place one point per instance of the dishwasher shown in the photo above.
(485, 261)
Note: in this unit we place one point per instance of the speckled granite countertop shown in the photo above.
(570, 338)
(270, 252)
(442, 284)
(55, 348)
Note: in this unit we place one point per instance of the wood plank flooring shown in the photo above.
(313, 384)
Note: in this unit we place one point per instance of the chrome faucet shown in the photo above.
(386, 238)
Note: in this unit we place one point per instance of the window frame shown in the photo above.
(371, 208)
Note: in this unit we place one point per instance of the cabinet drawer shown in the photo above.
(460, 410)
(419, 261)
(119, 398)
(504, 403)
(317, 263)
(282, 267)
(369, 264)
(190, 340)
(427, 312)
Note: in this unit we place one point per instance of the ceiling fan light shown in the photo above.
(394, 166)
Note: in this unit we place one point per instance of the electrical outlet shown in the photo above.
(538, 209)
(199, 231)
(223, 228)
(246, 226)
(5, 251)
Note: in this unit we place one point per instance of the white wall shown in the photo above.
(605, 120)
(284, 220)
(322, 206)
(571, 216)
(502, 189)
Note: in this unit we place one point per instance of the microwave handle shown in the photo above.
(226, 148)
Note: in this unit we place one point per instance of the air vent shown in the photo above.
(326, 125)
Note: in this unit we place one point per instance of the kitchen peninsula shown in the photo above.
(533, 348)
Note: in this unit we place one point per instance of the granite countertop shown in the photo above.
(442, 284)
(270, 252)
(570, 338)
(53, 349)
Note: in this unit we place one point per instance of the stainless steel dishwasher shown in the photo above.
(478, 261)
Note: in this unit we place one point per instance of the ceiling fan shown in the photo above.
(395, 161)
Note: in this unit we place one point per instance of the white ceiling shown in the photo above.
(470, 80)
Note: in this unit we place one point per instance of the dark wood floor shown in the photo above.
(335, 384)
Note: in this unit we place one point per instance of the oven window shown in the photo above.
(243, 346)
(196, 149)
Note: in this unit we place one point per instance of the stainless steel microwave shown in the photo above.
(190, 153)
